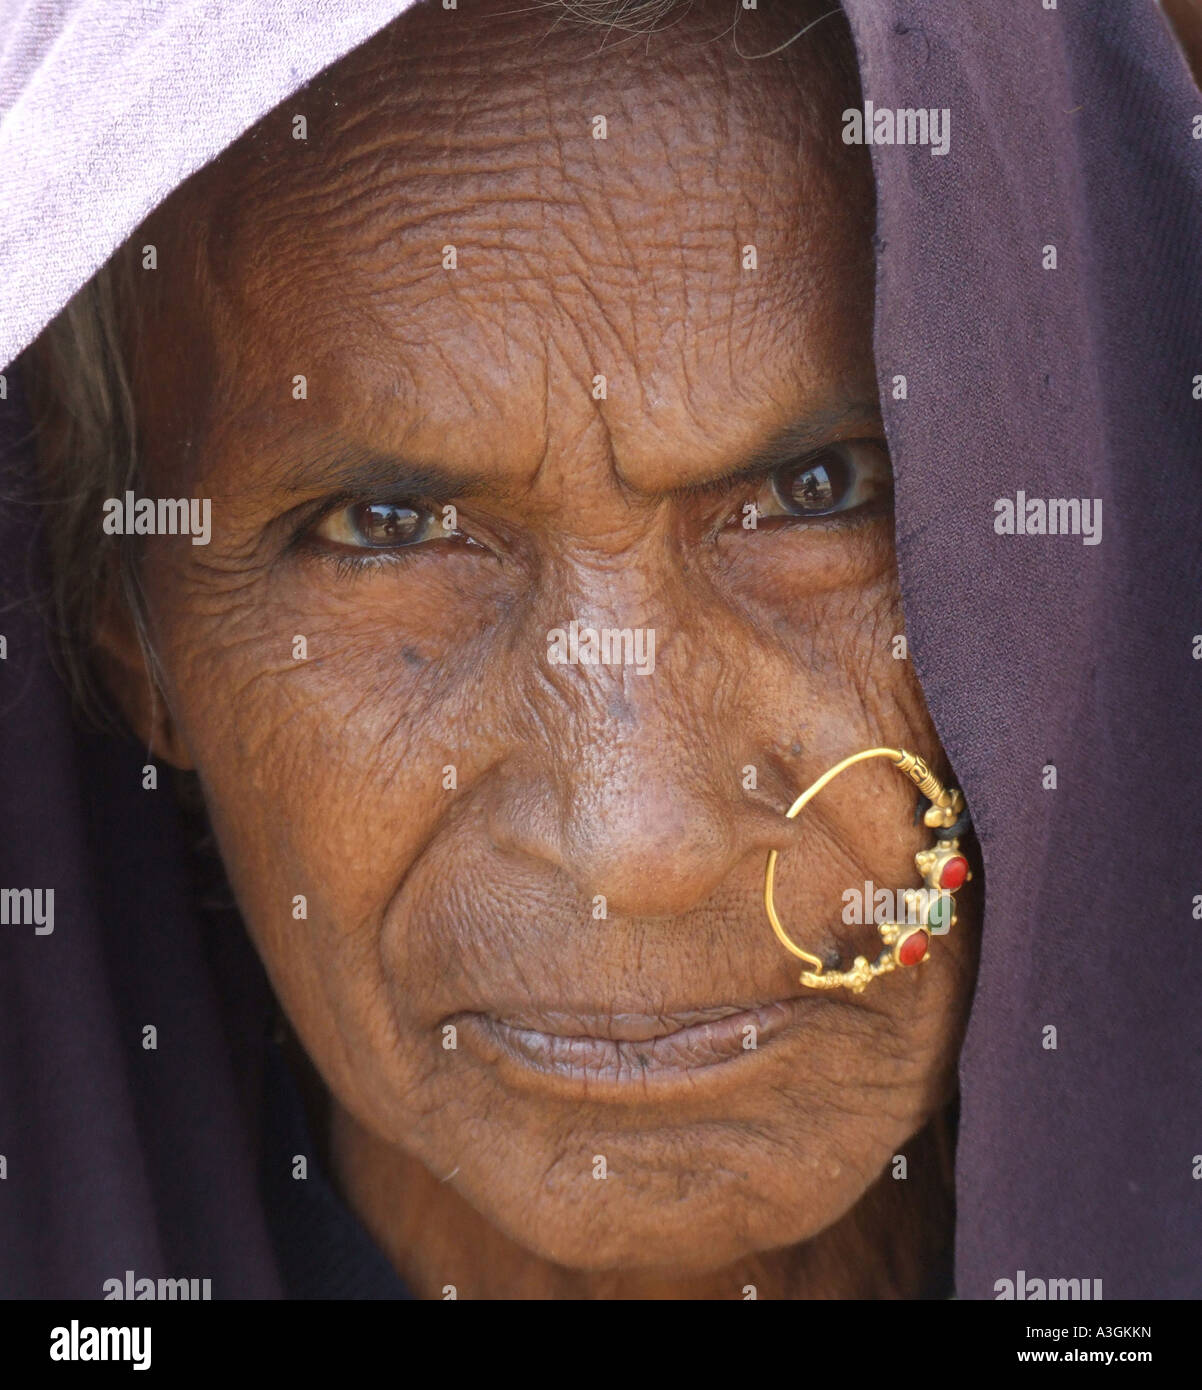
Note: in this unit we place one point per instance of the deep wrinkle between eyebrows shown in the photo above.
(358, 470)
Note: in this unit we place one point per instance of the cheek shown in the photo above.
(330, 739)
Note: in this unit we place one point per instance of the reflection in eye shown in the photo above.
(385, 525)
(842, 477)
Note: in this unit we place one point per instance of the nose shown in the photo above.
(639, 795)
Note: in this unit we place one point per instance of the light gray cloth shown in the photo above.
(107, 105)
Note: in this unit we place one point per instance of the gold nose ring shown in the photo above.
(929, 908)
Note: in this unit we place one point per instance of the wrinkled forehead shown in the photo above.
(511, 117)
(462, 179)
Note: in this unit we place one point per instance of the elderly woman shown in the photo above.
(486, 493)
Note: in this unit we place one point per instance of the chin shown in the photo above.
(661, 1228)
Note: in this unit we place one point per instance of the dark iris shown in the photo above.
(386, 523)
(814, 486)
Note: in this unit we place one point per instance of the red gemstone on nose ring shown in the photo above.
(955, 871)
(912, 949)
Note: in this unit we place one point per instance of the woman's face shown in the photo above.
(533, 934)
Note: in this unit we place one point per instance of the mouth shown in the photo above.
(620, 1051)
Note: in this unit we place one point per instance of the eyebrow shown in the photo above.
(356, 469)
(794, 441)
(353, 468)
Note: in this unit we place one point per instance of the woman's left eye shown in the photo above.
(842, 477)
(385, 525)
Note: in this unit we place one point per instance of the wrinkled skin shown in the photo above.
(324, 777)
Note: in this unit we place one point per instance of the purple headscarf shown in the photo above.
(1071, 128)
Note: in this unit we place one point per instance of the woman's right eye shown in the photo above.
(385, 525)
(841, 478)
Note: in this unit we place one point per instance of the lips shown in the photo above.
(627, 1049)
